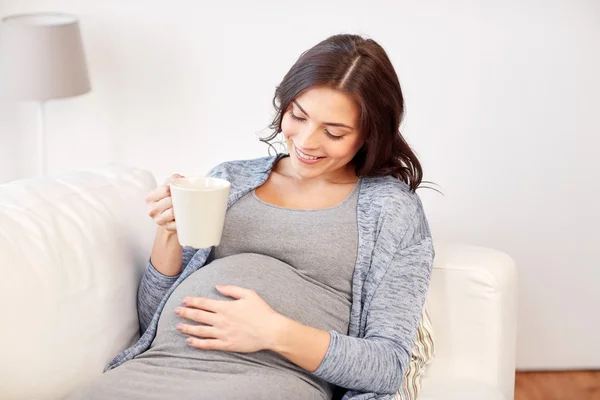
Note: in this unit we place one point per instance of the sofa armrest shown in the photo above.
(72, 251)
(472, 302)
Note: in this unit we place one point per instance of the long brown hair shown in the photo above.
(360, 68)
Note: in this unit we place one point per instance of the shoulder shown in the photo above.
(392, 195)
(401, 212)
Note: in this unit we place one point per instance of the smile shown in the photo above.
(306, 158)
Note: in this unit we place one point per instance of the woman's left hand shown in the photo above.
(245, 325)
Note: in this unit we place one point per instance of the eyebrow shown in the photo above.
(324, 123)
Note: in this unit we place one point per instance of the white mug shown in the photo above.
(199, 206)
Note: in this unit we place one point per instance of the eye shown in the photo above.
(296, 117)
(333, 137)
(329, 135)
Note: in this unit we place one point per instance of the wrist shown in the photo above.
(165, 234)
(277, 340)
(166, 254)
(303, 345)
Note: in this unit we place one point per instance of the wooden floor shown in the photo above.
(572, 385)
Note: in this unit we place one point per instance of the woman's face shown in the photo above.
(321, 131)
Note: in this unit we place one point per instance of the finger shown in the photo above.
(201, 331)
(193, 314)
(157, 194)
(165, 217)
(174, 176)
(203, 303)
(208, 344)
(234, 291)
(159, 207)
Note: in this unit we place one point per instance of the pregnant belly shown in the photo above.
(279, 284)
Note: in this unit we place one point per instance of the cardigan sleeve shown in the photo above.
(154, 286)
(378, 361)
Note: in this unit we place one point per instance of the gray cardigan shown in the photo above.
(390, 283)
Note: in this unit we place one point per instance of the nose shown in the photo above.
(308, 138)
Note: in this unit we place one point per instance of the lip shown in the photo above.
(309, 162)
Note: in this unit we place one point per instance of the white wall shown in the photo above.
(501, 104)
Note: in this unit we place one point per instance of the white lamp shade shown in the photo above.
(41, 57)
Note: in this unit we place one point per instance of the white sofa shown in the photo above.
(72, 251)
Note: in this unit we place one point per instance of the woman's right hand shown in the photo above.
(160, 206)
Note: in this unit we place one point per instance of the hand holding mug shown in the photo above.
(160, 205)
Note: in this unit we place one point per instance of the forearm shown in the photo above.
(161, 272)
(151, 291)
(303, 345)
(348, 362)
(166, 253)
(364, 364)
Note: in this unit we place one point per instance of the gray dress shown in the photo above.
(299, 261)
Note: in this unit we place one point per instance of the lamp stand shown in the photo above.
(41, 139)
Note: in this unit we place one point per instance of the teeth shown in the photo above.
(306, 157)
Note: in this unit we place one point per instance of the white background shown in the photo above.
(502, 104)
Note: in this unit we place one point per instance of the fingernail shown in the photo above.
(189, 340)
(186, 300)
(178, 311)
(180, 327)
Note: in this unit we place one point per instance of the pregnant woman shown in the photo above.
(317, 287)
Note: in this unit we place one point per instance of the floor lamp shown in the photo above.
(41, 58)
